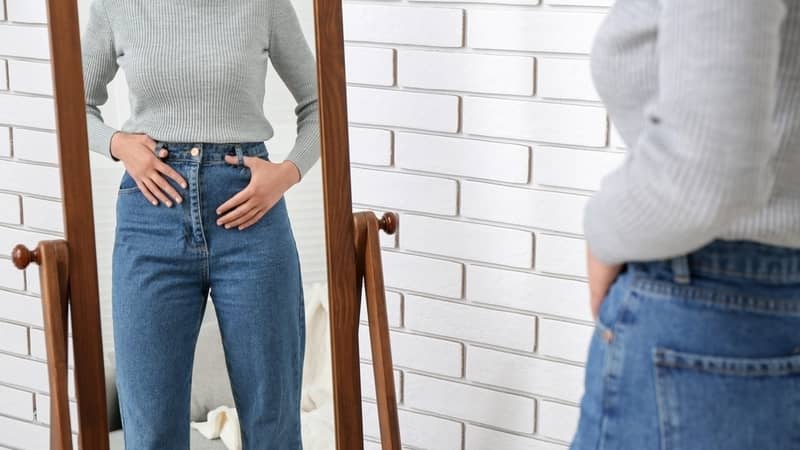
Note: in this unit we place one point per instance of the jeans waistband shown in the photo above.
(734, 260)
(209, 151)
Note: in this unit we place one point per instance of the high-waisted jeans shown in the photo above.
(165, 261)
(699, 352)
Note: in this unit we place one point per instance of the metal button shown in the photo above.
(195, 151)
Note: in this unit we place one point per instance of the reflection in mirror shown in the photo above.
(204, 326)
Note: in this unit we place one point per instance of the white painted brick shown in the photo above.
(499, 409)
(5, 141)
(403, 191)
(32, 281)
(39, 350)
(418, 430)
(30, 11)
(13, 338)
(538, 31)
(471, 72)
(25, 41)
(369, 65)
(467, 240)
(31, 77)
(422, 274)
(558, 421)
(419, 352)
(462, 157)
(9, 237)
(526, 207)
(25, 110)
(535, 121)
(562, 255)
(2, 10)
(20, 308)
(17, 176)
(368, 382)
(565, 78)
(424, 111)
(44, 214)
(29, 373)
(479, 438)
(564, 339)
(394, 308)
(440, 27)
(528, 292)
(32, 145)
(370, 146)
(526, 374)
(576, 169)
(10, 208)
(470, 322)
(3, 73)
(10, 276)
(23, 435)
(43, 411)
(17, 403)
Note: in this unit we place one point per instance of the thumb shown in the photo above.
(162, 153)
(231, 159)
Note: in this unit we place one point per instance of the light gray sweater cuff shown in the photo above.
(100, 136)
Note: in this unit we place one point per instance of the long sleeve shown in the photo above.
(295, 64)
(99, 68)
(705, 156)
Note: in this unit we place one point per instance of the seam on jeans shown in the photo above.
(613, 368)
(666, 420)
(728, 299)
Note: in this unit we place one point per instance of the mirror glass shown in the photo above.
(178, 290)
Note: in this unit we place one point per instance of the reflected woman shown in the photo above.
(201, 208)
(694, 242)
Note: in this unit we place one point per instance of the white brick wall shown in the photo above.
(30, 211)
(477, 121)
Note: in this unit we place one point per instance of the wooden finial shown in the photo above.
(22, 256)
(388, 222)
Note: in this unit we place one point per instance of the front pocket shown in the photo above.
(708, 402)
(127, 184)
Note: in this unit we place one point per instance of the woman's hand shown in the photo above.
(601, 276)
(135, 150)
(268, 182)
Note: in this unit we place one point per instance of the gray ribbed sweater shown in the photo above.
(196, 70)
(706, 95)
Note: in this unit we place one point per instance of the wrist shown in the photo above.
(291, 172)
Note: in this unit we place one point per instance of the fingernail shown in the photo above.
(169, 204)
(184, 185)
(154, 202)
(227, 225)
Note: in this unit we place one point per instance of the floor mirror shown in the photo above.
(338, 252)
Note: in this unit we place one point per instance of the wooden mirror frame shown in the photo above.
(79, 231)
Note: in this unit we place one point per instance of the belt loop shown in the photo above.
(239, 156)
(680, 269)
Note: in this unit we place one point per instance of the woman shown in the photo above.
(201, 208)
(697, 342)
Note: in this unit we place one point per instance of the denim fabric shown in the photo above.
(700, 352)
(166, 260)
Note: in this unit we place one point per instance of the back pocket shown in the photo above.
(708, 402)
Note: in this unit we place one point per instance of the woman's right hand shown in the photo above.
(136, 151)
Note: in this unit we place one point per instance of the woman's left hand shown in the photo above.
(268, 182)
(601, 275)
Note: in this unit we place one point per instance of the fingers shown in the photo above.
(247, 216)
(153, 187)
(166, 187)
(255, 219)
(241, 210)
(167, 170)
(146, 192)
(238, 198)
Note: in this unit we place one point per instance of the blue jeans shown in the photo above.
(165, 261)
(700, 352)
